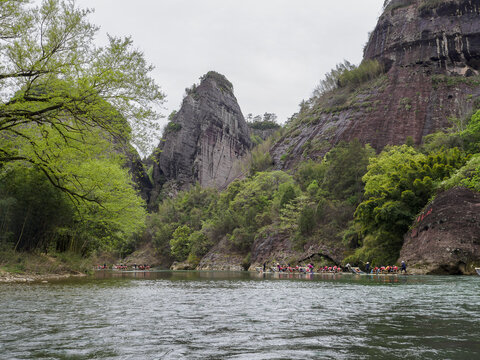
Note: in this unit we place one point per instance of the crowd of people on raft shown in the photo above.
(310, 268)
(386, 269)
(124, 267)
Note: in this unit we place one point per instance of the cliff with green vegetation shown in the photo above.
(353, 206)
(352, 171)
(420, 69)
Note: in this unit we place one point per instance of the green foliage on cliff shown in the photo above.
(316, 203)
(220, 79)
(468, 175)
(401, 180)
(398, 184)
(345, 74)
(172, 127)
(259, 158)
(367, 70)
(430, 4)
(392, 5)
(267, 122)
(353, 199)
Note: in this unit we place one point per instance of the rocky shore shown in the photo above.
(32, 278)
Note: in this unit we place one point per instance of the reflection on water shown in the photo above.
(228, 315)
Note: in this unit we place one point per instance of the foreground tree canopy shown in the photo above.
(54, 80)
(64, 107)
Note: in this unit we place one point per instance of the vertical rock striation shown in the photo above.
(203, 139)
(431, 54)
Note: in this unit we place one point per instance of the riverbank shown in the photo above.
(35, 267)
(28, 278)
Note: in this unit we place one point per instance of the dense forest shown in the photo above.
(64, 140)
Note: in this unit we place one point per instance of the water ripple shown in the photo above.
(202, 316)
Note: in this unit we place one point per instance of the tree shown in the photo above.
(345, 165)
(41, 215)
(270, 117)
(55, 81)
(180, 242)
(331, 80)
(398, 184)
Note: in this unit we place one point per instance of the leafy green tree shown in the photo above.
(468, 175)
(259, 158)
(108, 221)
(306, 221)
(55, 81)
(241, 239)
(31, 210)
(180, 242)
(309, 171)
(398, 184)
(313, 188)
(345, 166)
(201, 244)
(331, 79)
(288, 193)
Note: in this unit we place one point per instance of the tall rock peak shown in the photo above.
(203, 140)
(430, 52)
(441, 35)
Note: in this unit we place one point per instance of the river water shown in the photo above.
(218, 315)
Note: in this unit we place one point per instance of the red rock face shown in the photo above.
(445, 35)
(445, 239)
(432, 59)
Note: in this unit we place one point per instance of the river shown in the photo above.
(220, 315)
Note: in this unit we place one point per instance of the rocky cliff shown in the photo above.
(430, 52)
(203, 139)
(445, 239)
(137, 171)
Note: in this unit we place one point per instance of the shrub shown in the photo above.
(172, 127)
(330, 82)
(368, 70)
(260, 158)
(221, 80)
(180, 242)
(241, 240)
(263, 125)
(306, 221)
(427, 5)
(468, 175)
(200, 243)
(392, 5)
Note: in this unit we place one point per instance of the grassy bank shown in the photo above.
(32, 265)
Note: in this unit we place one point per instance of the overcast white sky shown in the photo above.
(273, 51)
